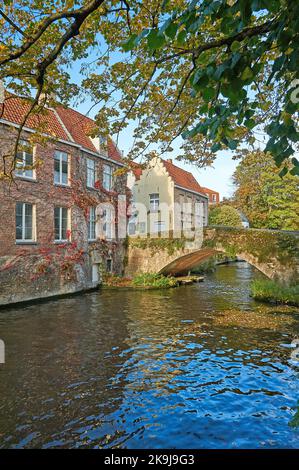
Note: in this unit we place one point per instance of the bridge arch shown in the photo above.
(185, 263)
(273, 252)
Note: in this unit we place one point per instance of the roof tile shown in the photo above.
(70, 125)
(182, 178)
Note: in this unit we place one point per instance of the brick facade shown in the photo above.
(44, 267)
(214, 196)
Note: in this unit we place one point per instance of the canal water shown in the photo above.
(200, 366)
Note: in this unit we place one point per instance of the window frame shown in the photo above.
(109, 269)
(89, 221)
(61, 153)
(60, 239)
(158, 225)
(108, 222)
(109, 175)
(88, 170)
(153, 198)
(21, 173)
(23, 226)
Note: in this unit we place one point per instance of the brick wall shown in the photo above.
(47, 268)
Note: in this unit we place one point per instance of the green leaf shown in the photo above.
(247, 74)
(208, 93)
(171, 30)
(295, 171)
(278, 63)
(249, 123)
(155, 39)
(182, 36)
(216, 147)
(232, 144)
(235, 46)
(245, 9)
(130, 43)
(283, 172)
(220, 69)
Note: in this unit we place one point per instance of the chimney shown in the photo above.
(169, 160)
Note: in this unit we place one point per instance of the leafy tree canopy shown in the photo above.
(266, 199)
(226, 215)
(214, 72)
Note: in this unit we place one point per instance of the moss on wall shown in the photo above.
(264, 245)
(170, 244)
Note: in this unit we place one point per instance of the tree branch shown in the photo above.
(80, 15)
(246, 33)
(14, 25)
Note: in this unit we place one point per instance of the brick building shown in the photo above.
(59, 226)
(214, 196)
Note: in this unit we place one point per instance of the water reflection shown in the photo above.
(198, 366)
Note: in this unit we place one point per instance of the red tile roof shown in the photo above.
(78, 126)
(182, 178)
(70, 125)
(113, 151)
(137, 170)
(14, 110)
(211, 192)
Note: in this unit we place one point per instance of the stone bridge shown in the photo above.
(273, 252)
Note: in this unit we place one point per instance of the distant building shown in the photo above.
(214, 197)
(166, 198)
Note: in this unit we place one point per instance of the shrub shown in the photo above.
(225, 215)
(270, 291)
(154, 280)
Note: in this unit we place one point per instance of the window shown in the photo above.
(182, 202)
(154, 202)
(24, 161)
(189, 205)
(91, 223)
(61, 168)
(107, 177)
(61, 223)
(214, 197)
(132, 228)
(25, 230)
(107, 225)
(109, 265)
(103, 141)
(95, 275)
(141, 227)
(198, 213)
(159, 227)
(91, 172)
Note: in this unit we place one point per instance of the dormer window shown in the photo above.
(103, 140)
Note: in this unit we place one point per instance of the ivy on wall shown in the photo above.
(263, 245)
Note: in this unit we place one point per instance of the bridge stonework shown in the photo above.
(274, 253)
